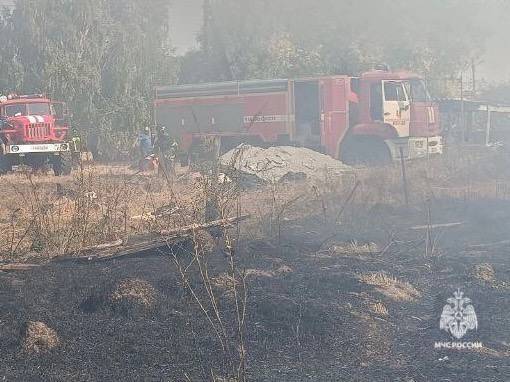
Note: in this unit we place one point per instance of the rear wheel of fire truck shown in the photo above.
(364, 150)
(62, 164)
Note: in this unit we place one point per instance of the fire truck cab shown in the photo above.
(33, 132)
(392, 115)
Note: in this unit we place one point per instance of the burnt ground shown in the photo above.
(309, 314)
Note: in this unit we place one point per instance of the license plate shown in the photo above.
(41, 148)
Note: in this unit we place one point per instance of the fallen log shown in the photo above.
(133, 246)
(165, 239)
(99, 247)
(198, 227)
(435, 226)
(17, 267)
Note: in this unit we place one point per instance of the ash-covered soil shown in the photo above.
(363, 305)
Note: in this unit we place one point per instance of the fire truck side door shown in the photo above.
(397, 108)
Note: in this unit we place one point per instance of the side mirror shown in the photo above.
(60, 111)
(404, 106)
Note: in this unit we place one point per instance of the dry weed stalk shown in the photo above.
(219, 200)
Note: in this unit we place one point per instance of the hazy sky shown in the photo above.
(7, 3)
(496, 63)
(187, 20)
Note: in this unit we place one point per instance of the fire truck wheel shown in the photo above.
(62, 164)
(368, 151)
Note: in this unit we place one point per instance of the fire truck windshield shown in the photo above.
(417, 90)
(38, 108)
(15, 110)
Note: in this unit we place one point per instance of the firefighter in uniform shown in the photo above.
(166, 150)
(144, 143)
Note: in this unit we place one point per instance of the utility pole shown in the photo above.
(462, 109)
(207, 14)
(488, 127)
(473, 75)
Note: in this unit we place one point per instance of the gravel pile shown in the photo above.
(276, 164)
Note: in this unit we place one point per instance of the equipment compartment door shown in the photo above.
(201, 118)
(308, 113)
(397, 108)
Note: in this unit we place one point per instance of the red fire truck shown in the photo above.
(33, 131)
(370, 119)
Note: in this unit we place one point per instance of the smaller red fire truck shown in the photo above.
(34, 132)
(372, 119)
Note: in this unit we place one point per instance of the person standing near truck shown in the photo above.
(144, 142)
(161, 148)
(166, 150)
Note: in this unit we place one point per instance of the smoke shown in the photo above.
(476, 27)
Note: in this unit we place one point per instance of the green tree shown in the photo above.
(101, 56)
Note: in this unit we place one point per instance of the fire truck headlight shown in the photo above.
(14, 149)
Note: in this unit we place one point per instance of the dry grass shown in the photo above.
(43, 216)
(391, 287)
(134, 292)
(259, 273)
(280, 270)
(379, 309)
(352, 248)
(225, 281)
(39, 338)
(484, 272)
(284, 269)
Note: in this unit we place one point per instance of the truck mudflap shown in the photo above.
(38, 148)
(415, 147)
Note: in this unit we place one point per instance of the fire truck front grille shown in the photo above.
(38, 130)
